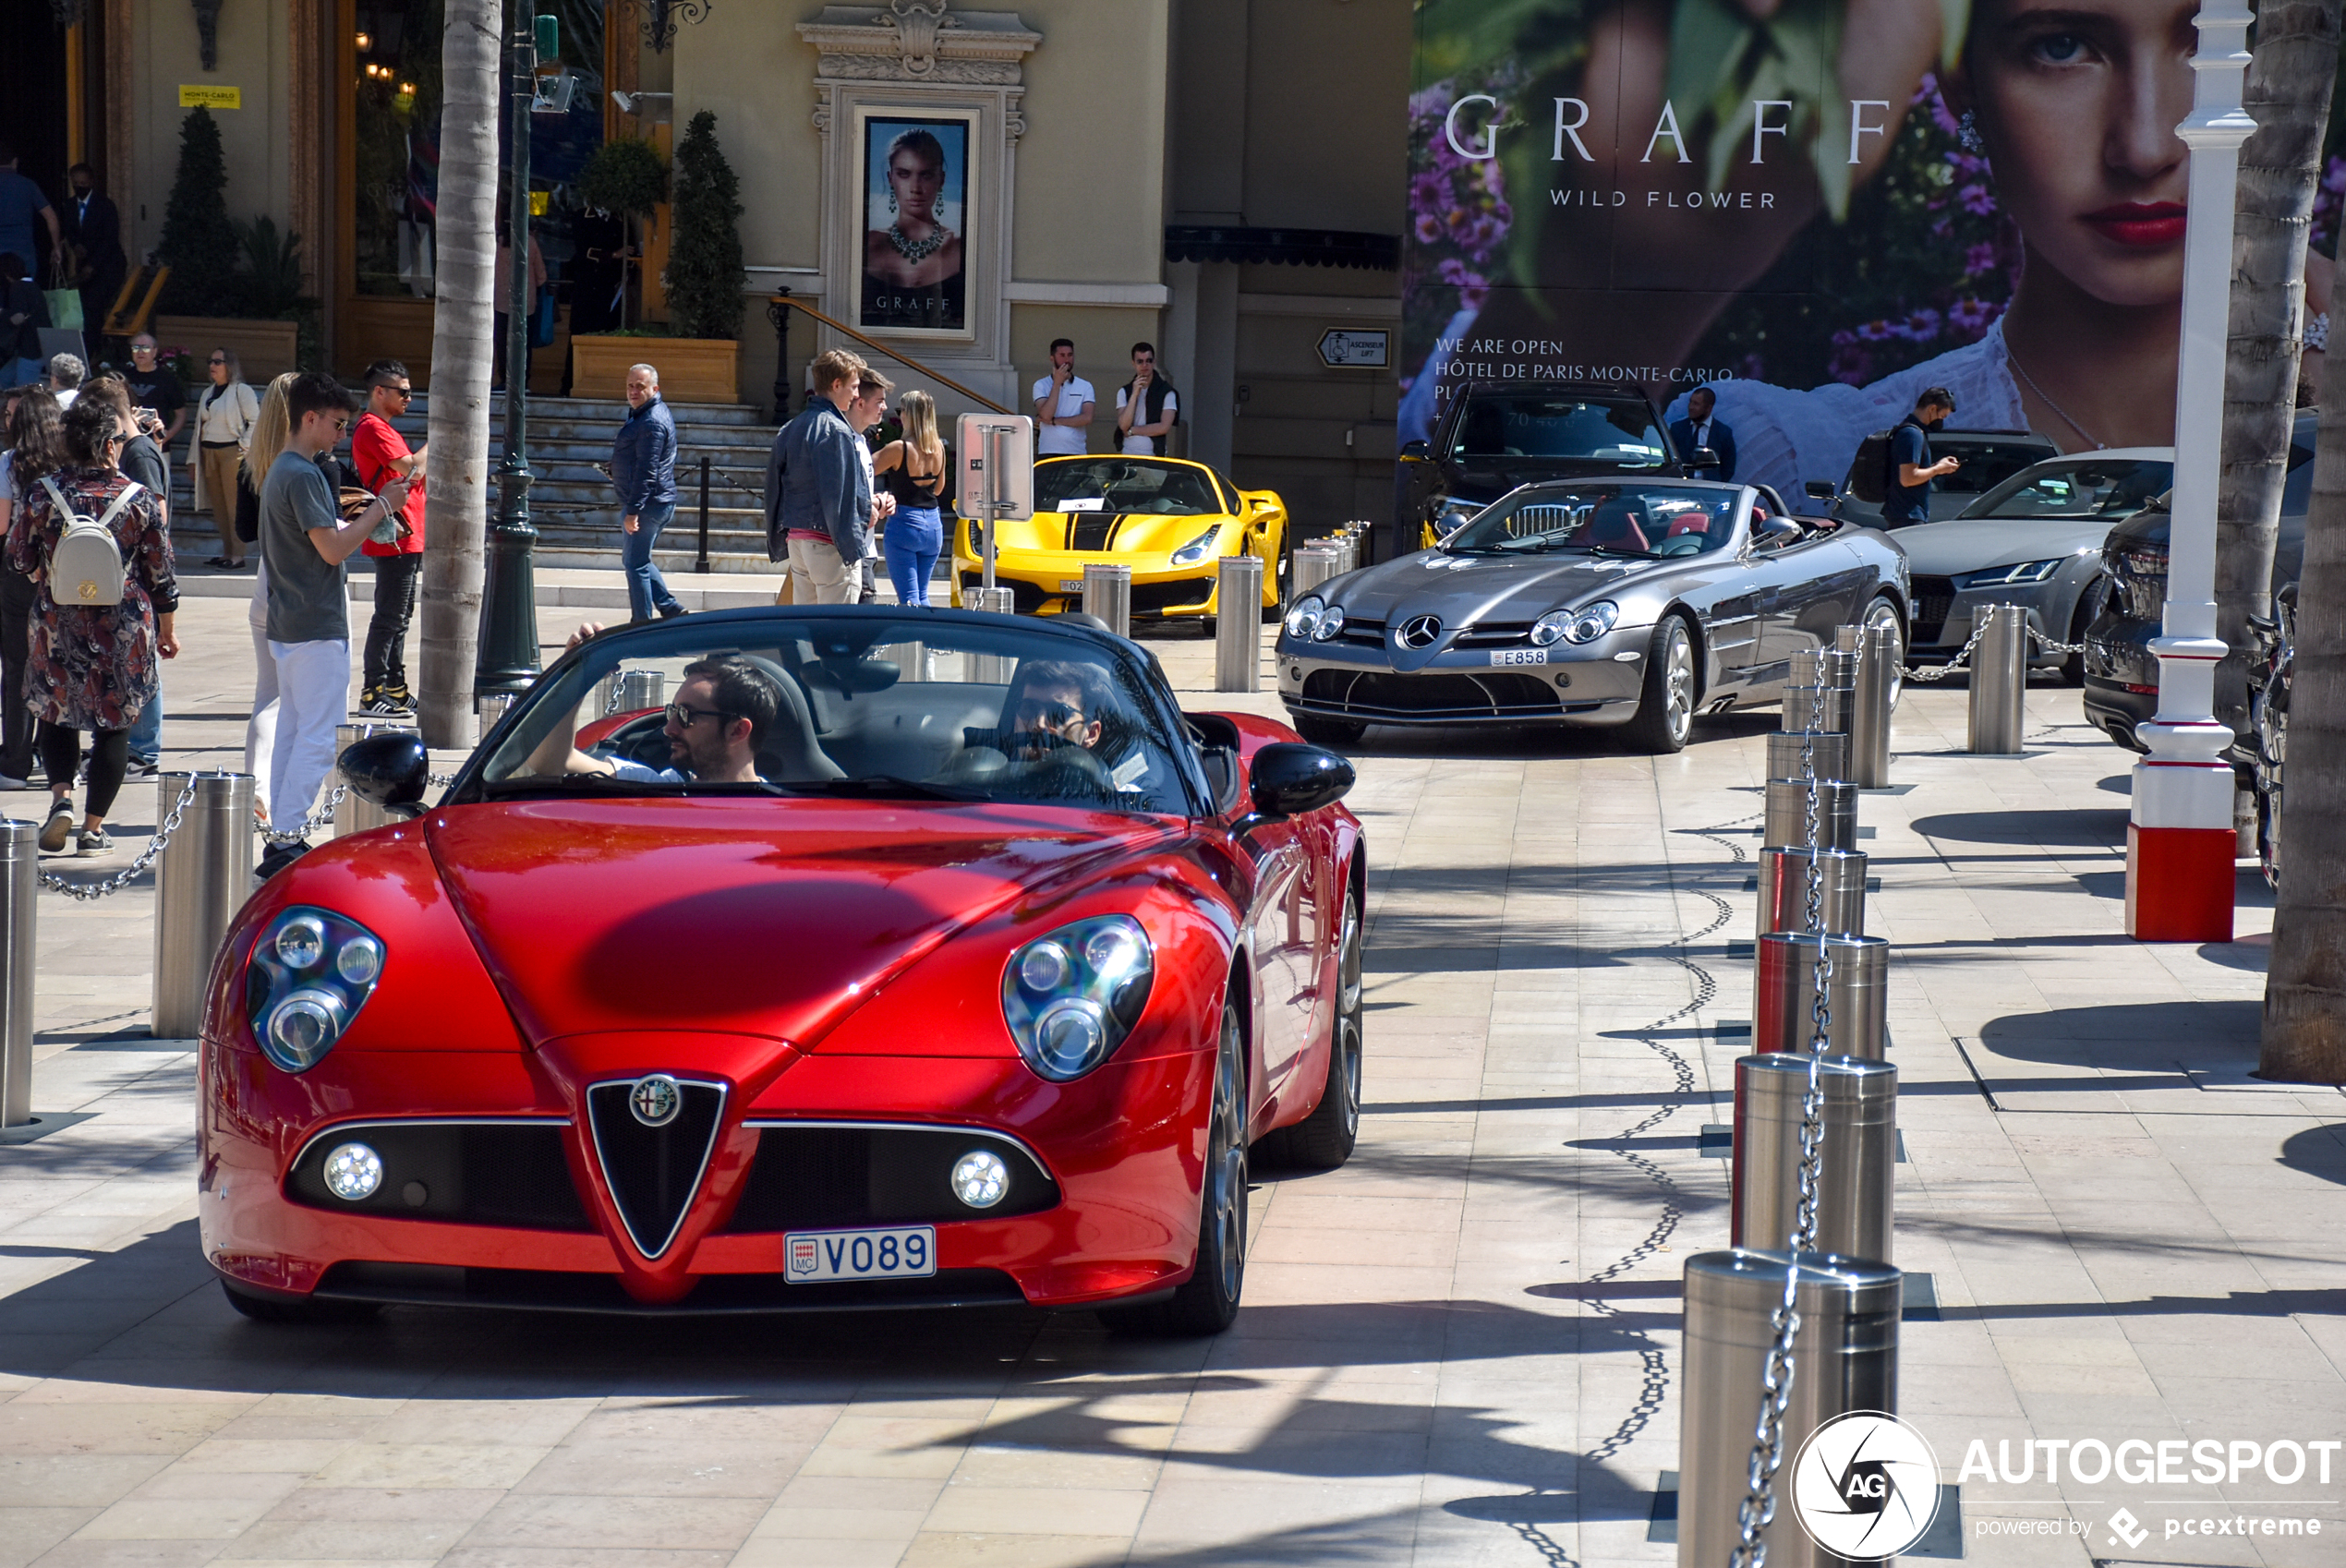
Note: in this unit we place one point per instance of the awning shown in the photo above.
(1300, 248)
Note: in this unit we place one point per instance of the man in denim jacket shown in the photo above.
(818, 494)
(643, 469)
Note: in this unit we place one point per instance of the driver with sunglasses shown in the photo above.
(714, 728)
(1059, 704)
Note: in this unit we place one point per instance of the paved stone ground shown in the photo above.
(1462, 1349)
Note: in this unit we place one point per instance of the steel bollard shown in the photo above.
(202, 878)
(1855, 1174)
(1108, 593)
(1807, 708)
(990, 669)
(492, 706)
(1786, 824)
(1999, 682)
(1784, 891)
(19, 883)
(1848, 639)
(1840, 690)
(642, 689)
(356, 814)
(1807, 753)
(1237, 625)
(1312, 565)
(1845, 1359)
(1785, 994)
(1808, 668)
(1869, 711)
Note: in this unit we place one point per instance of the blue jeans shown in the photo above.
(912, 542)
(647, 594)
(146, 734)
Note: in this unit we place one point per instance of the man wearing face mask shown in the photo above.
(1911, 468)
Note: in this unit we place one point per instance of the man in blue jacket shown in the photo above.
(1699, 429)
(818, 493)
(643, 469)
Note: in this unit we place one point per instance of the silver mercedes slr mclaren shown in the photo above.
(1604, 601)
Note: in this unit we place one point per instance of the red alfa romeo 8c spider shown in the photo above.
(783, 960)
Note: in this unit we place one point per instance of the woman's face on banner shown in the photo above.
(2077, 102)
(917, 182)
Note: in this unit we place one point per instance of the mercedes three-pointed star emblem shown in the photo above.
(656, 1099)
(1419, 631)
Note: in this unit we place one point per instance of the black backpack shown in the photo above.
(1869, 473)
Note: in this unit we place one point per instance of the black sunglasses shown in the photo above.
(1050, 712)
(683, 717)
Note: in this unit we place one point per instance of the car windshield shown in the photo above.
(1986, 464)
(1577, 427)
(864, 703)
(1126, 484)
(1611, 519)
(2077, 486)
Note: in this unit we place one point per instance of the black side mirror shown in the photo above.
(1819, 489)
(1416, 451)
(1289, 778)
(390, 771)
(1703, 457)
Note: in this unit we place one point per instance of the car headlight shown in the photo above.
(1303, 616)
(1331, 622)
(1453, 513)
(310, 973)
(1072, 998)
(1575, 625)
(1197, 550)
(2012, 576)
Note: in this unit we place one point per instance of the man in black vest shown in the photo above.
(1146, 406)
(1907, 485)
(93, 240)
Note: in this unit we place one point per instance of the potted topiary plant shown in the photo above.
(704, 279)
(229, 281)
(627, 178)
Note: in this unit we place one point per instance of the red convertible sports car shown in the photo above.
(789, 959)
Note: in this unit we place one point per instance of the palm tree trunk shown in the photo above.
(456, 503)
(2291, 77)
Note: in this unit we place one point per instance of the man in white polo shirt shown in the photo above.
(1062, 406)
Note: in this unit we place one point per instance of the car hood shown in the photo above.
(1967, 544)
(1107, 534)
(775, 918)
(1488, 479)
(1477, 588)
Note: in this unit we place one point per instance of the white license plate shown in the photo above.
(1070, 585)
(901, 1252)
(1519, 656)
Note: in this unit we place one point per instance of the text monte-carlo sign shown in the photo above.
(1346, 349)
(202, 95)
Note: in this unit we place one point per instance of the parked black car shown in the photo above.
(2121, 674)
(1497, 435)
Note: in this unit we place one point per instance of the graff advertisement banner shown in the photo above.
(1817, 207)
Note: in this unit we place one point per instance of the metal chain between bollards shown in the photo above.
(300, 830)
(1980, 630)
(1758, 1509)
(87, 891)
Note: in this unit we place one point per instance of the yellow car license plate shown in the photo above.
(1070, 585)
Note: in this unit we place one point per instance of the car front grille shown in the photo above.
(468, 1173)
(1934, 597)
(1155, 599)
(816, 1175)
(1437, 694)
(654, 1171)
(1025, 598)
(553, 1290)
(1494, 634)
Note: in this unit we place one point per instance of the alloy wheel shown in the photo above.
(1678, 681)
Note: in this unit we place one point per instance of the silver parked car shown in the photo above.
(2036, 541)
(1608, 600)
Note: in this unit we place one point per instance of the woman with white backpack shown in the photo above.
(93, 543)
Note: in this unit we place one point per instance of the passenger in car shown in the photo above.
(714, 728)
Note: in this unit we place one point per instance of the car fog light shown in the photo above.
(1070, 1034)
(361, 960)
(980, 1180)
(306, 1023)
(302, 942)
(1045, 967)
(353, 1171)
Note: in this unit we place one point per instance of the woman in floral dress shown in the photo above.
(92, 668)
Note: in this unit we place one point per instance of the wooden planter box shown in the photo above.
(690, 369)
(264, 349)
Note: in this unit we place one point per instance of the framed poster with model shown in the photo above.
(917, 196)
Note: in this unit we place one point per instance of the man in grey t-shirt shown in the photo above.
(304, 541)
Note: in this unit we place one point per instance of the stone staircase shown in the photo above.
(571, 500)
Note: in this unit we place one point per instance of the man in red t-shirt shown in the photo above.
(379, 455)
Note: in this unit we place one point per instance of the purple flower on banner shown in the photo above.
(1977, 201)
(1980, 259)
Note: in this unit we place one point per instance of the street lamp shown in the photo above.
(2180, 842)
(508, 660)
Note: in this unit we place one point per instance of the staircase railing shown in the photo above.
(779, 307)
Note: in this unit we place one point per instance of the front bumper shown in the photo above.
(1049, 582)
(1590, 683)
(1117, 1220)
(1944, 617)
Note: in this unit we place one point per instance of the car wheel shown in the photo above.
(2089, 607)
(275, 1310)
(1665, 709)
(1883, 613)
(1209, 1302)
(1328, 731)
(1324, 1140)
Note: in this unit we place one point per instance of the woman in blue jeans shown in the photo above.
(913, 471)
